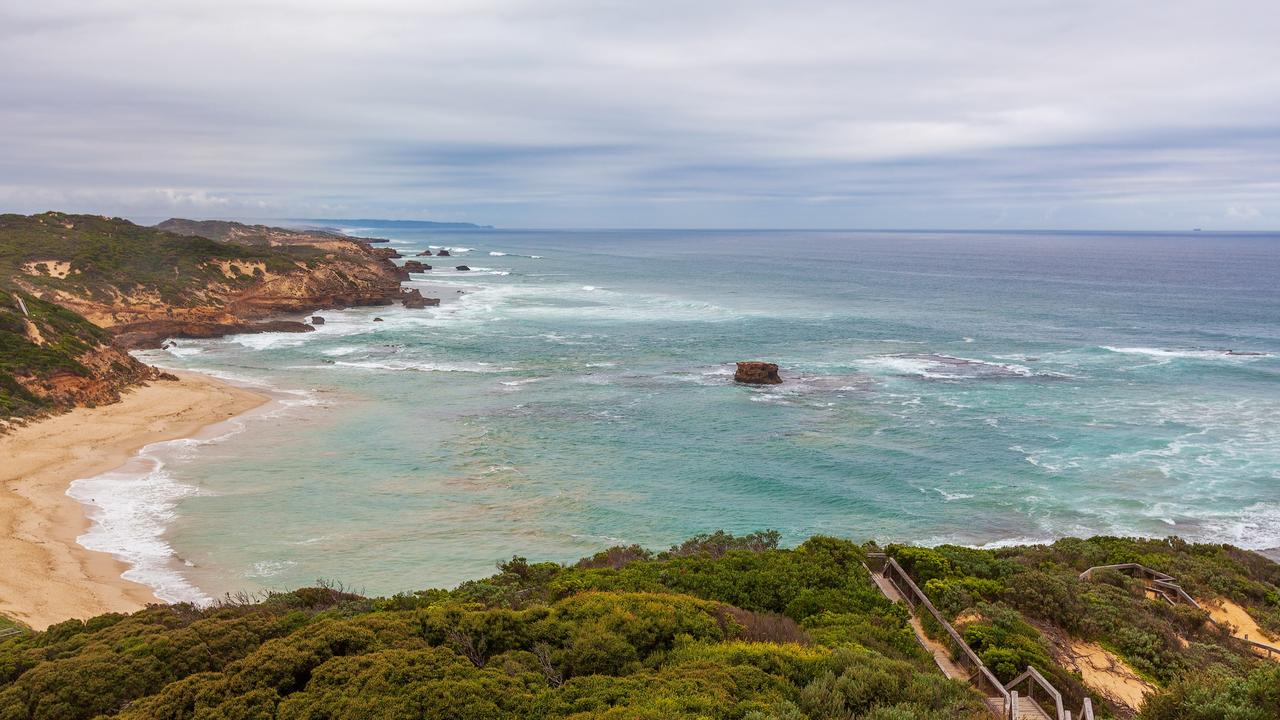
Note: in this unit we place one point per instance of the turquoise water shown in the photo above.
(965, 387)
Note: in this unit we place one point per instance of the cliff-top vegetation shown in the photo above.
(718, 627)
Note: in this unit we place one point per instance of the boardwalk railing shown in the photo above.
(1163, 585)
(980, 676)
(1032, 678)
(10, 632)
(1159, 583)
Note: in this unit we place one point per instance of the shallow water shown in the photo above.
(965, 387)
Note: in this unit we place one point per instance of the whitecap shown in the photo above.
(1187, 353)
(268, 568)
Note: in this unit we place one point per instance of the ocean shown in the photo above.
(574, 391)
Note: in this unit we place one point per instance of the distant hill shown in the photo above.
(242, 234)
(421, 224)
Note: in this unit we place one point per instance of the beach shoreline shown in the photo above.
(47, 576)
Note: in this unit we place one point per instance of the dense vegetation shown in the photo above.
(107, 255)
(722, 628)
(719, 627)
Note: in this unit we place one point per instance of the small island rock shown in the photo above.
(317, 320)
(443, 253)
(757, 373)
(463, 267)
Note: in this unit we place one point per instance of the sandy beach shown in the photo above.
(46, 577)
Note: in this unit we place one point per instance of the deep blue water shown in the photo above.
(963, 387)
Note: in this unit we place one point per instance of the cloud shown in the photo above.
(725, 113)
(1243, 212)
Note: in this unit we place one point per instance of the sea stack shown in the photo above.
(414, 300)
(443, 253)
(317, 320)
(753, 372)
(464, 268)
(425, 253)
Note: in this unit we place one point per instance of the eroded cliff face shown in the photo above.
(194, 286)
(51, 360)
(78, 291)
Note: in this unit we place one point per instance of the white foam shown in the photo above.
(1175, 354)
(131, 508)
(495, 253)
(517, 383)
(269, 568)
(416, 366)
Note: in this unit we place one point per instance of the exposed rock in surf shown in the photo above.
(754, 372)
(443, 253)
(414, 300)
(153, 333)
(425, 253)
(377, 319)
(416, 266)
(317, 320)
(463, 267)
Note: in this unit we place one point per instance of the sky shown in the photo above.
(1115, 114)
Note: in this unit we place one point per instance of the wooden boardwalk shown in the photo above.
(1001, 700)
(941, 654)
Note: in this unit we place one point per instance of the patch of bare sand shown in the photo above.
(1104, 672)
(1100, 670)
(1237, 620)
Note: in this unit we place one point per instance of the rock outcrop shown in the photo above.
(147, 284)
(151, 334)
(317, 320)
(425, 253)
(443, 253)
(753, 372)
(414, 300)
(464, 268)
(415, 266)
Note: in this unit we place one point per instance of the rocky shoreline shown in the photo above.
(144, 285)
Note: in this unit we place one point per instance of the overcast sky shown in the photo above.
(559, 113)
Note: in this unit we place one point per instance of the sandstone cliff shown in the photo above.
(146, 284)
(77, 291)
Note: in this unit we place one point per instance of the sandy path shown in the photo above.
(1226, 613)
(45, 576)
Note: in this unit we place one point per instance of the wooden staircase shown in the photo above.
(958, 661)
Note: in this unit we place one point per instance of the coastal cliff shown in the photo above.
(94, 287)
